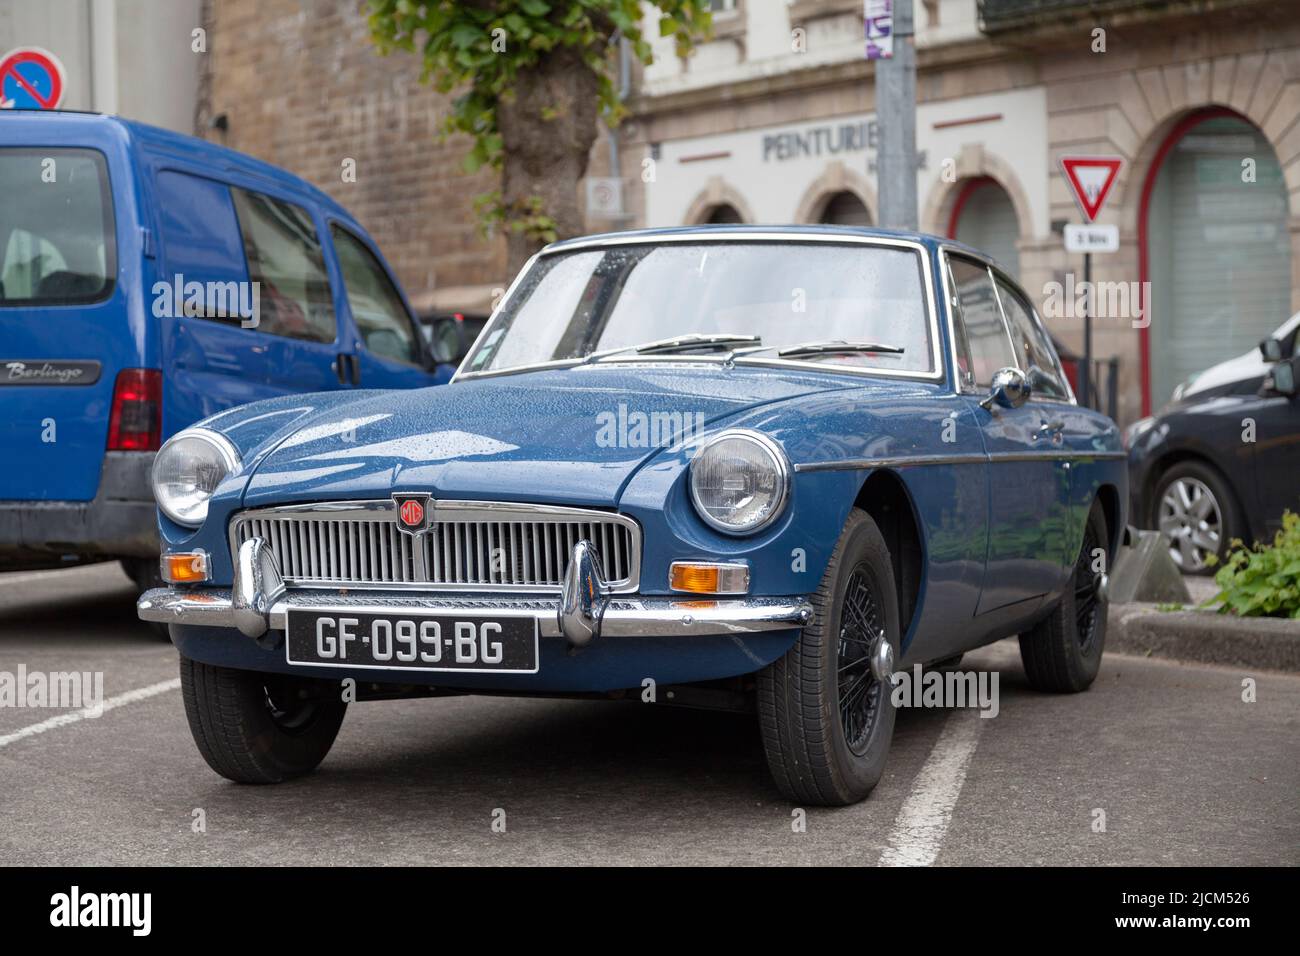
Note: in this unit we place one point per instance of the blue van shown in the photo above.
(148, 280)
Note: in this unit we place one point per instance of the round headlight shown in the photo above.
(739, 481)
(187, 470)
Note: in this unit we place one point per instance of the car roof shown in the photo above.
(71, 127)
(716, 231)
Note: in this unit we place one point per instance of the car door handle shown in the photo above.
(1052, 429)
(339, 367)
(356, 369)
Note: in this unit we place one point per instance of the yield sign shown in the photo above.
(1090, 179)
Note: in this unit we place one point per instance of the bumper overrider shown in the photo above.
(258, 602)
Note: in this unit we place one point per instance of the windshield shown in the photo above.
(572, 304)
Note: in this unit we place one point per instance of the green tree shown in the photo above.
(531, 77)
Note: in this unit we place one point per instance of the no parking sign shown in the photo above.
(31, 79)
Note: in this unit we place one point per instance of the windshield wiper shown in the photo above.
(678, 343)
(837, 347)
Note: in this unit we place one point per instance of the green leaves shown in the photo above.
(1263, 581)
(487, 48)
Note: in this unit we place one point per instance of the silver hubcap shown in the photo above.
(1190, 517)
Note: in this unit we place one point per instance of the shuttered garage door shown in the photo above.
(1218, 249)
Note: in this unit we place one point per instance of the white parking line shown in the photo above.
(923, 820)
(62, 720)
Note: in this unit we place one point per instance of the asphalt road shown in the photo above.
(1184, 770)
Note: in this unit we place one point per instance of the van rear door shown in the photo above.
(65, 333)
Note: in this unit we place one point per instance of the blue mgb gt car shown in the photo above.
(739, 467)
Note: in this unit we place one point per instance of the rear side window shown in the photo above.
(980, 319)
(376, 306)
(1036, 356)
(285, 259)
(56, 228)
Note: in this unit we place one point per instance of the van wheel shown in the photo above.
(260, 728)
(826, 717)
(1062, 654)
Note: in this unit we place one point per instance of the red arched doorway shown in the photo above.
(1214, 247)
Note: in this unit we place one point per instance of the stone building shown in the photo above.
(773, 121)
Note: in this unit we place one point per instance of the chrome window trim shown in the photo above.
(936, 375)
(448, 510)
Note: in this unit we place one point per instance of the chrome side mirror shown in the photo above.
(1271, 350)
(1010, 389)
(1284, 377)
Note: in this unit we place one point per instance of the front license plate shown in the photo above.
(473, 643)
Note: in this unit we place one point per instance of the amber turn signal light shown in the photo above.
(185, 567)
(708, 578)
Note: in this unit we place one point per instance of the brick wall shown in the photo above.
(301, 86)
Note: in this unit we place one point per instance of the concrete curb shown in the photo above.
(1204, 636)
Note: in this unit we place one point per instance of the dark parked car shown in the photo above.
(1222, 460)
(449, 335)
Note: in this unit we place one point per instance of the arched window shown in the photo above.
(723, 213)
(845, 209)
(984, 217)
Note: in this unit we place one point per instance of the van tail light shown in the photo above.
(136, 420)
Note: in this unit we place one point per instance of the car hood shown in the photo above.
(573, 435)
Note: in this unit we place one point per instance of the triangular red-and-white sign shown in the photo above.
(1090, 179)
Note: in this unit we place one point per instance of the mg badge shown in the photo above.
(413, 512)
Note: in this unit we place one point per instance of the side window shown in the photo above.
(980, 321)
(56, 228)
(377, 308)
(285, 259)
(1035, 352)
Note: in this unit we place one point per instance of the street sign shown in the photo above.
(1090, 179)
(1091, 238)
(879, 17)
(31, 79)
(605, 197)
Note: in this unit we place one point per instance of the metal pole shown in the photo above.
(896, 114)
(1085, 380)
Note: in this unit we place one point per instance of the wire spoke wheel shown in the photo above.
(860, 694)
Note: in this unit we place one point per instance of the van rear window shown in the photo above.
(56, 228)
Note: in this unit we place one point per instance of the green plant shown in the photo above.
(1262, 581)
(531, 76)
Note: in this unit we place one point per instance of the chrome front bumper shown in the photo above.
(259, 602)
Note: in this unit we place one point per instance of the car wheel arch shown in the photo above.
(885, 497)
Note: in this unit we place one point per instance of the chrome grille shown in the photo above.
(471, 545)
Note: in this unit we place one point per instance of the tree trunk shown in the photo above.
(547, 158)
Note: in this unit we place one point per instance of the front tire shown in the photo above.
(1194, 507)
(826, 720)
(1062, 654)
(260, 728)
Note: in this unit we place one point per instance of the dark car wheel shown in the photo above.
(1062, 654)
(825, 716)
(1194, 507)
(146, 575)
(260, 728)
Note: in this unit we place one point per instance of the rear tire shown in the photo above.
(1062, 654)
(826, 721)
(260, 728)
